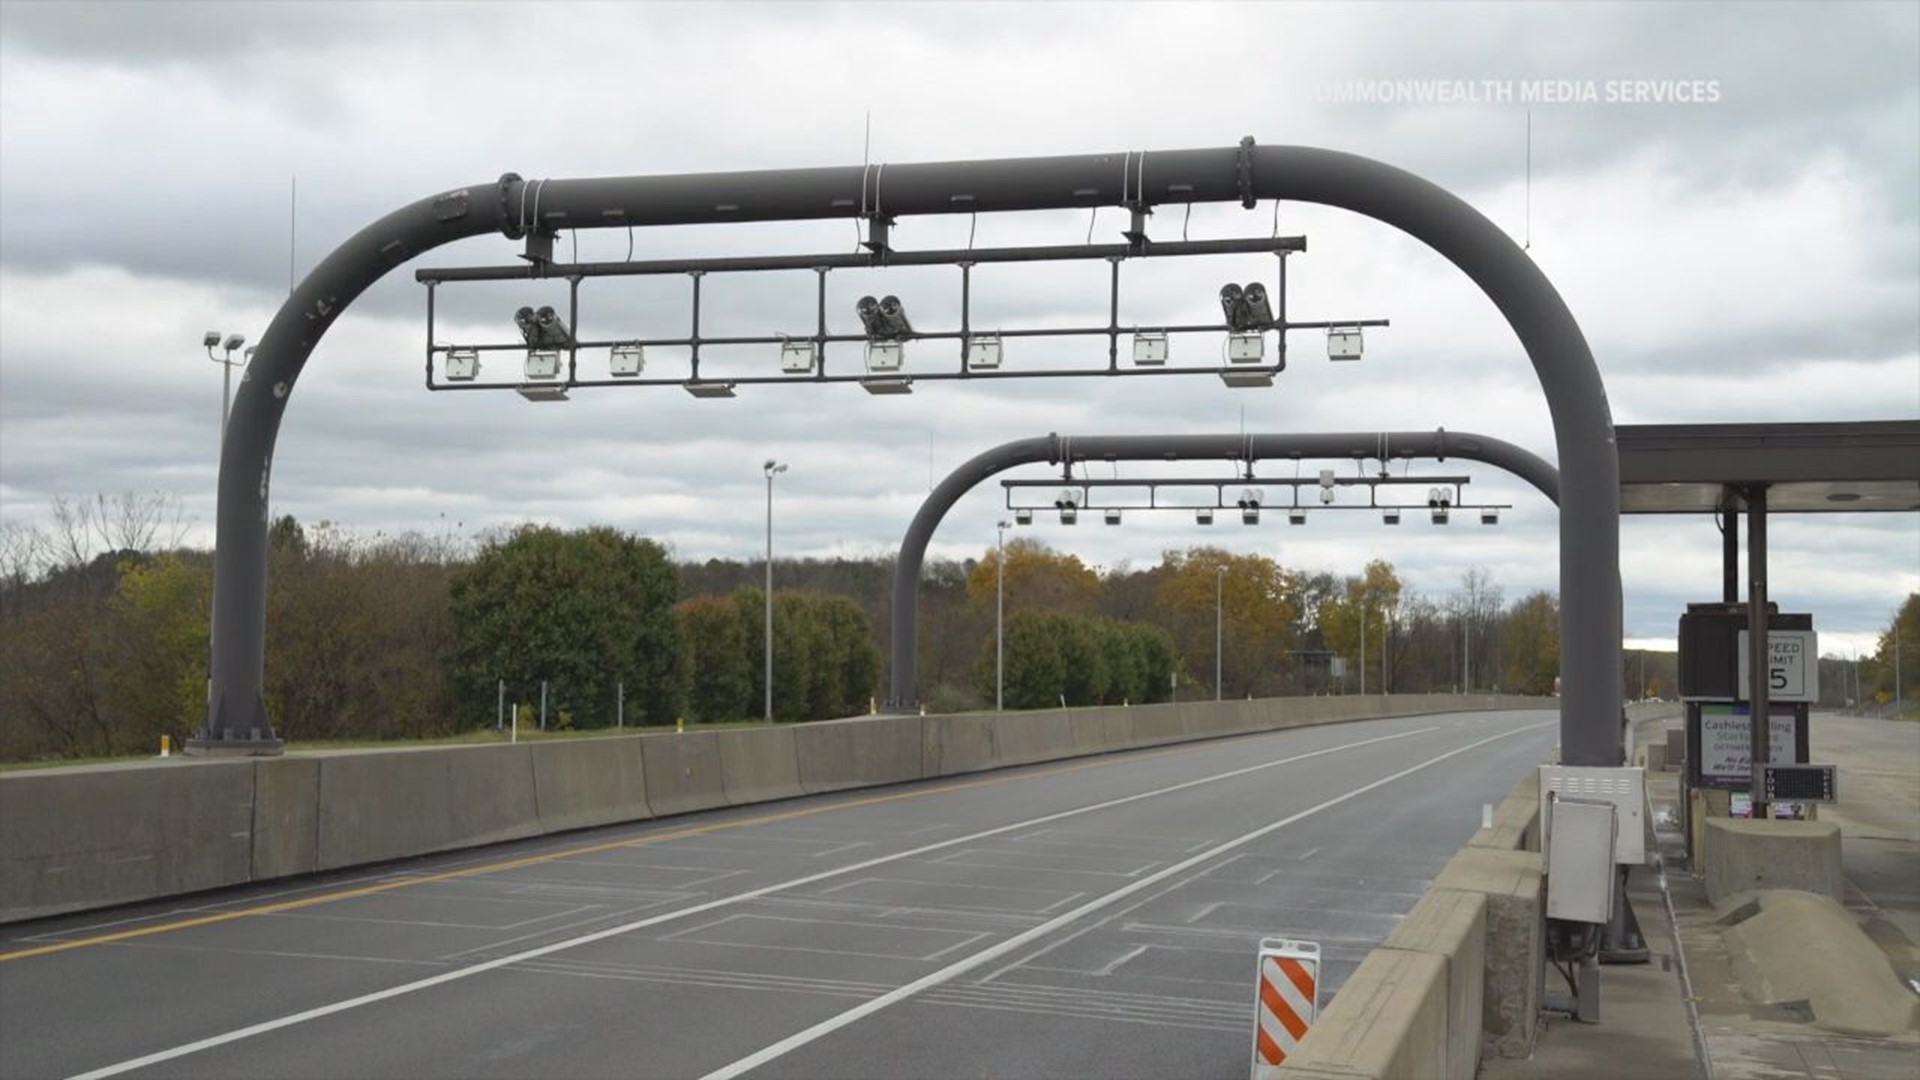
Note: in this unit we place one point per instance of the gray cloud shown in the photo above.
(1752, 259)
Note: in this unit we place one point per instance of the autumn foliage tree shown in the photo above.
(1256, 617)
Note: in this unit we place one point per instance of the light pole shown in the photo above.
(231, 345)
(1000, 620)
(1219, 623)
(772, 469)
(1363, 650)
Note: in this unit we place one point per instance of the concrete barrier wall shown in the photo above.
(834, 755)
(580, 783)
(390, 804)
(958, 743)
(1389, 1022)
(93, 836)
(1026, 738)
(759, 765)
(71, 839)
(286, 817)
(683, 772)
(1153, 725)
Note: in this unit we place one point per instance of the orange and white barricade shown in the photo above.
(1284, 1001)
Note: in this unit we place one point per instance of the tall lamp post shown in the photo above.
(772, 469)
(1363, 650)
(230, 346)
(1000, 620)
(1219, 623)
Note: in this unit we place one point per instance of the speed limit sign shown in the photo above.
(1793, 665)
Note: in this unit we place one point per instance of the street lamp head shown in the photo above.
(212, 339)
(233, 342)
(773, 468)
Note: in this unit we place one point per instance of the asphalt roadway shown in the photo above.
(1089, 918)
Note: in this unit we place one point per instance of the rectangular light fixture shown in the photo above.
(543, 363)
(709, 389)
(463, 365)
(984, 353)
(1439, 515)
(542, 392)
(1243, 380)
(1343, 343)
(1296, 516)
(1489, 516)
(626, 361)
(1250, 515)
(1390, 515)
(799, 357)
(1203, 516)
(1246, 348)
(1069, 515)
(1150, 349)
(895, 385)
(1022, 515)
(1113, 516)
(884, 356)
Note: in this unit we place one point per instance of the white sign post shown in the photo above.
(1793, 666)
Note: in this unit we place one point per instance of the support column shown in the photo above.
(1730, 556)
(1757, 626)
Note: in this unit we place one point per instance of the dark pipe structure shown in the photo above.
(1136, 180)
(902, 686)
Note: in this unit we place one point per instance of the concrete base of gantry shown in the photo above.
(1744, 855)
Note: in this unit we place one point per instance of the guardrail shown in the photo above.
(74, 839)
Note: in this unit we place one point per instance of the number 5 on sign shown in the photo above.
(1285, 999)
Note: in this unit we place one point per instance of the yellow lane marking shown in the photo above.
(565, 853)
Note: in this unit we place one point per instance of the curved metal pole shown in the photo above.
(1590, 723)
(1055, 449)
(236, 708)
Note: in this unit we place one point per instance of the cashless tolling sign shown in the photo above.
(1793, 665)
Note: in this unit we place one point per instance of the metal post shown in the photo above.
(1899, 701)
(1730, 556)
(500, 707)
(620, 703)
(772, 469)
(1758, 624)
(1386, 642)
(1363, 650)
(543, 704)
(1466, 652)
(1000, 621)
(1219, 624)
(226, 393)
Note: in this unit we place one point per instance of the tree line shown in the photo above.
(104, 632)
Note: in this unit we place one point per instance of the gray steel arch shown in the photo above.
(903, 683)
(1576, 399)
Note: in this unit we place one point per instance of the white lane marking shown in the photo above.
(865, 1009)
(265, 1026)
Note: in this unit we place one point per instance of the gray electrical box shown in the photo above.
(1580, 876)
(1623, 786)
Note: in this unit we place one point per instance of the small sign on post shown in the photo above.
(1285, 1000)
(1793, 666)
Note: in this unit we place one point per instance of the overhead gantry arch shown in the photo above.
(902, 686)
(1136, 180)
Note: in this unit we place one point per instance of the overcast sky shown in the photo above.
(1754, 256)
